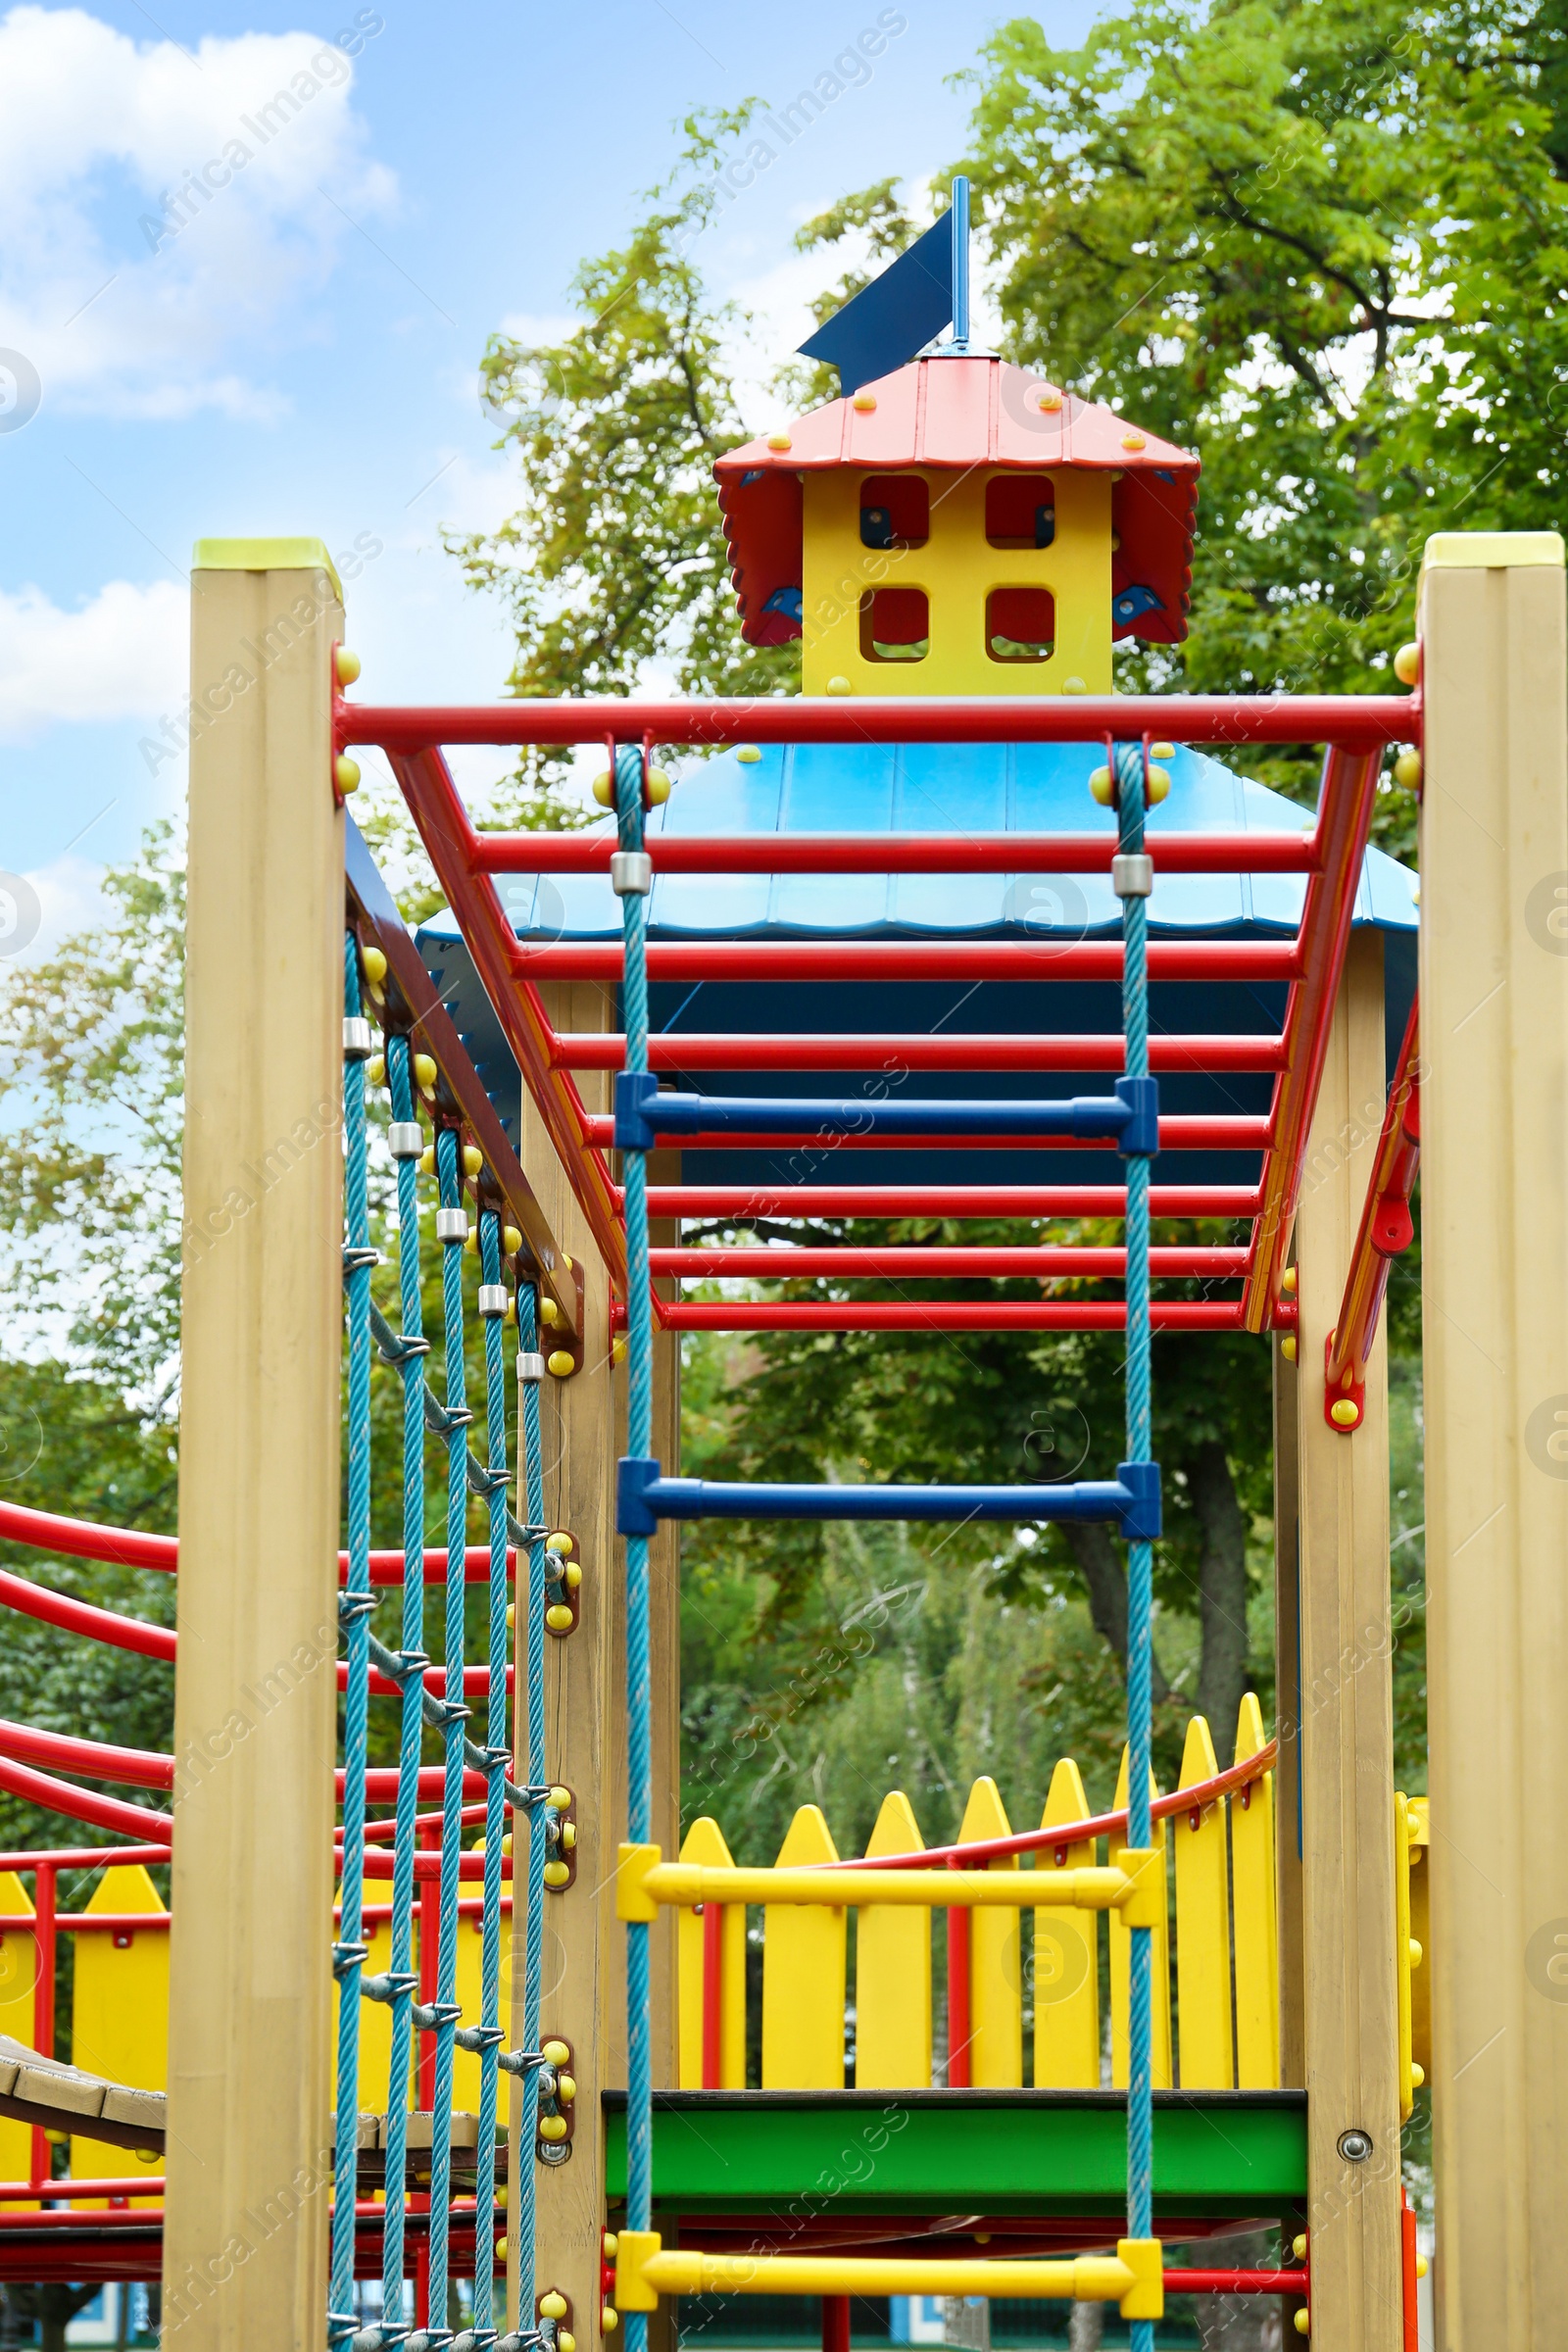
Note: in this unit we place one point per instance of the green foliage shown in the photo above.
(1322, 242)
(614, 559)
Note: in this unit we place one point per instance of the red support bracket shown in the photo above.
(1386, 1230)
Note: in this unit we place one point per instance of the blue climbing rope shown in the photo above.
(497, 1751)
(354, 1607)
(522, 2289)
(411, 1349)
(449, 1174)
(639, 1439)
(1130, 761)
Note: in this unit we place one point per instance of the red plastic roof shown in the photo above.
(956, 413)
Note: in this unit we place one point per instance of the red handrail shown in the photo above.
(131, 1547)
(589, 853)
(1386, 1229)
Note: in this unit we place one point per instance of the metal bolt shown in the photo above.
(1356, 2146)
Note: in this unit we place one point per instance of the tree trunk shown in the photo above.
(1221, 1592)
(1106, 1583)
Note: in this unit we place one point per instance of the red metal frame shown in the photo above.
(133, 1547)
(1385, 1231)
(1328, 852)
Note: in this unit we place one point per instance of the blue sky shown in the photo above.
(299, 353)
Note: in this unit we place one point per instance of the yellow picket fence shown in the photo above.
(1220, 1851)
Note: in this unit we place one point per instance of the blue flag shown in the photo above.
(893, 317)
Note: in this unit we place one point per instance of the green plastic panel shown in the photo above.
(973, 2151)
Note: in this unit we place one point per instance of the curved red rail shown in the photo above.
(149, 1767)
(130, 1548)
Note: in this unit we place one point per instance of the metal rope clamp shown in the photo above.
(359, 1039)
(494, 1299)
(405, 1139)
(451, 1224)
(530, 1368)
(631, 875)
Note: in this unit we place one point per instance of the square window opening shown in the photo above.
(1020, 509)
(894, 511)
(1020, 625)
(894, 624)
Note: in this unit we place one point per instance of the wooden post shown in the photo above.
(584, 1997)
(1288, 1717)
(1347, 1725)
(249, 2162)
(1494, 1114)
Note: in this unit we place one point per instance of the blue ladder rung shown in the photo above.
(1128, 1117)
(1129, 1502)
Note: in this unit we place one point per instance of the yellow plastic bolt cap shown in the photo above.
(557, 1873)
(1345, 1413)
(1287, 1283)
(427, 1159)
(778, 441)
(1133, 441)
(657, 786)
(1418, 2075)
(618, 1351)
(560, 1543)
(865, 402)
(552, 2126)
(1073, 686)
(548, 1312)
(347, 666)
(375, 1068)
(1417, 1956)
(573, 1577)
(610, 2319)
(1158, 785)
(1407, 769)
(568, 1836)
(603, 789)
(472, 1159)
(1302, 2321)
(1298, 2247)
(1422, 2266)
(748, 754)
(510, 1240)
(557, 2052)
(552, 2304)
(425, 1070)
(559, 1617)
(472, 1241)
(560, 1798)
(1288, 1347)
(839, 686)
(1099, 786)
(1162, 750)
(566, 1261)
(374, 964)
(565, 2342)
(512, 1616)
(566, 2087)
(559, 1363)
(347, 772)
(1407, 664)
(1051, 399)
(505, 1845)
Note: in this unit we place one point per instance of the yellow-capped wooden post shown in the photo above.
(1346, 1739)
(1066, 1955)
(249, 2167)
(893, 1971)
(1494, 1280)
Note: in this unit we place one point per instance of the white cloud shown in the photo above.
(122, 655)
(160, 201)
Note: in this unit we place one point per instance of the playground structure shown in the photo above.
(559, 2020)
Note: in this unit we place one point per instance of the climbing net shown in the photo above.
(425, 1846)
(1130, 1503)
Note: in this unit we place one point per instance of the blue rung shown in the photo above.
(1129, 1502)
(1128, 1117)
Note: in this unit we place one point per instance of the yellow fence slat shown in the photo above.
(471, 1993)
(1407, 1956)
(1255, 1919)
(1202, 1926)
(996, 1958)
(705, 1844)
(1067, 1956)
(1120, 1963)
(804, 1973)
(19, 1976)
(893, 1971)
(1421, 1931)
(120, 2010)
